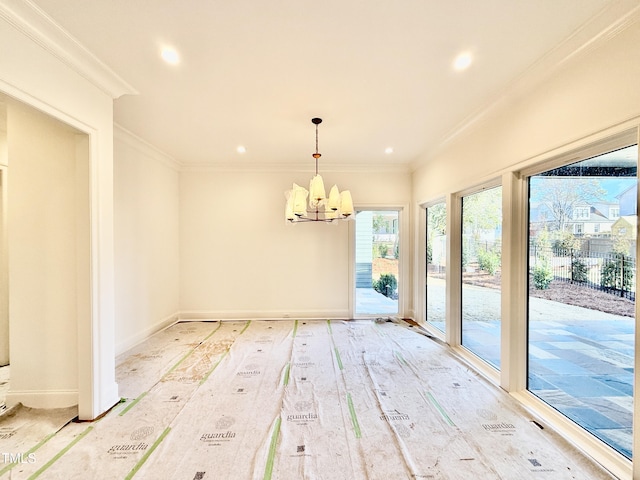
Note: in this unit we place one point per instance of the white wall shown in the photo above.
(42, 265)
(42, 68)
(4, 274)
(240, 259)
(147, 273)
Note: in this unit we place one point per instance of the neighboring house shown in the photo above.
(625, 227)
(594, 219)
(364, 254)
(627, 200)
(388, 228)
(588, 219)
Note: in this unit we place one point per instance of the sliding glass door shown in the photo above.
(481, 261)
(582, 290)
(436, 267)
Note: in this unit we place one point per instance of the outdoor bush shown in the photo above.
(386, 285)
(542, 276)
(466, 255)
(578, 271)
(566, 242)
(396, 251)
(488, 261)
(383, 249)
(617, 273)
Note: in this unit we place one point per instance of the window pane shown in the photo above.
(582, 236)
(377, 262)
(481, 260)
(436, 264)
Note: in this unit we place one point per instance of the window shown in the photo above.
(481, 260)
(614, 212)
(581, 213)
(581, 306)
(436, 265)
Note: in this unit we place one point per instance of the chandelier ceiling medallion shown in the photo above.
(338, 206)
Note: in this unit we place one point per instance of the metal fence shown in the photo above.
(610, 272)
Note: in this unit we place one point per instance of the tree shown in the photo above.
(437, 219)
(482, 211)
(380, 224)
(561, 195)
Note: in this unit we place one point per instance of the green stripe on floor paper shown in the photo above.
(245, 327)
(287, 369)
(132, 404)
(354, 419)
(147, 454)
(435, 403)
(27, 453)
(190, 352)
(204, 379)
(60, 453)
(268, 470)
(329, 326)
(214, 331)
(338, 358)
(400, 357)
(295, 328)
(378, 329)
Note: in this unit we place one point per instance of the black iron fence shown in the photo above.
(610, 272)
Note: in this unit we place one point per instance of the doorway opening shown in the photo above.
(45, 274)
(377, 258)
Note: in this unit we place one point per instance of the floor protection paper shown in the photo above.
(305, 400)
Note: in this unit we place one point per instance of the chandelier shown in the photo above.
(338, 206)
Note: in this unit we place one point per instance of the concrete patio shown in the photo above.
(580, 360)
(370, 302)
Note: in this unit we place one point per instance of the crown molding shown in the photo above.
(121, 134)
(610, 22)
(33, 22)
(130, 139)
(292, 168)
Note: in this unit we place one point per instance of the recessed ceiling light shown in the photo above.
(462, 61)
(388, 150)
(170, 55)
(241, 149)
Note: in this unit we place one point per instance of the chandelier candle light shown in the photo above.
(338, 206)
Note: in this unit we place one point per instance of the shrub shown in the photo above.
(578, 271)
(617, 273)
(383, 249)
(542, 276)
(488, 261)
(565, 243)
(386, 285)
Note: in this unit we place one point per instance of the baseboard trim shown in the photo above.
(263, 315)
(140, 337)
(42, 398)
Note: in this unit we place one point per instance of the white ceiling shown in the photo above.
(379, 72)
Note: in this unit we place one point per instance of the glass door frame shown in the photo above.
(451, 333)
(515, 379)
(404, 310)
(487, 369)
